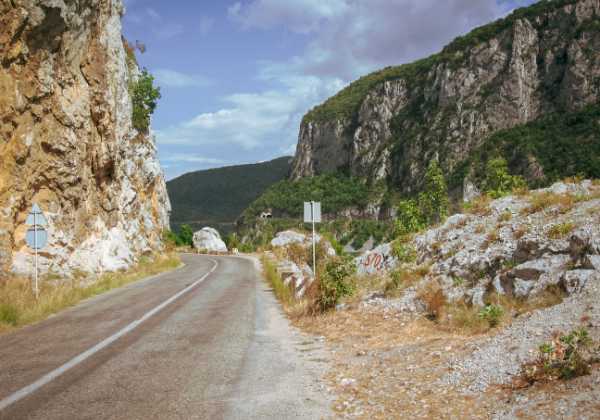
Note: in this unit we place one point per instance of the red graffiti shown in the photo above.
(377, 261)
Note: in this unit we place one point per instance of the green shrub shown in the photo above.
(335, 282)
(433, 201)
(566, 357)
(409, 218)
(404, 251)
(144, 97)
(492, 314)
(185, 236)
(498, 181)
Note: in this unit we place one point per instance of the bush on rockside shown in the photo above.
(565, 357)
(334, 282)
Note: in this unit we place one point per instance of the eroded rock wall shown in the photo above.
(67, 142)
(539, 64)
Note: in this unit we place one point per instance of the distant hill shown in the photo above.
(216, 197)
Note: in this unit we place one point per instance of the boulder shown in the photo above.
(574, 281)
(288, 237)
(209, 239)
(378, 260)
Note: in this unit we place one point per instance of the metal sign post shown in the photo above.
(36, 238)
(312, 214)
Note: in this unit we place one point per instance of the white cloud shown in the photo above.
(190, 158)
(302, 16)
(250, 121)
(175, 79)
(354, 37)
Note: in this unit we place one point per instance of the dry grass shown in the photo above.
(553, 295)
(19, 307)
(463, 319)
(401, 279)
(505, 216)
(521, 191)
(479, 206)
(297, 253)
(560, 230)
(546, 200)
(480, 228)
(396, 362)
(520, 231)
(492, 236)
(434, 299)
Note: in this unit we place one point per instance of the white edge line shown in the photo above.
(49, 377)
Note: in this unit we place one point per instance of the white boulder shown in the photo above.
(209, 239)
(288, 237)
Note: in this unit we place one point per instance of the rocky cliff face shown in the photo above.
(390, 124)
(67, 141)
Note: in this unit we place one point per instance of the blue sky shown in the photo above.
(237, 76)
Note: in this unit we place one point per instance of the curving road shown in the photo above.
(206, 341)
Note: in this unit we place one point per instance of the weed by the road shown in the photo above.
(283, 292)
(18, 305)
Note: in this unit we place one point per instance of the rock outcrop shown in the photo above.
(390, 124)
(209, 240)
(67, 140)
(516, 245)
(289, 237)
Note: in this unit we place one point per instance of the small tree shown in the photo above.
(186, 235)
(498, 181)
(144, 97)
(433, 201)
(409, 218)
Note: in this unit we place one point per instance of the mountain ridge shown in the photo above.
(217, 196)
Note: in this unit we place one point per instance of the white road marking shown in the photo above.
(49, 377)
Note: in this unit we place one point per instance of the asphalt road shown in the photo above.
(207, 341)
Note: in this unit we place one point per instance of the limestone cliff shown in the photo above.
(540, 60)
(67, 141)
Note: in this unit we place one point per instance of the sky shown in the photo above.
(236, 77)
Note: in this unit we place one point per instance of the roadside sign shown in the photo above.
(36, 238)
(36, 217)
(312, 212)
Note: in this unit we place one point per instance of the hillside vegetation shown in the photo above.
(216, 197)
(560, 144)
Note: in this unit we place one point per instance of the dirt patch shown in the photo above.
(392, 365)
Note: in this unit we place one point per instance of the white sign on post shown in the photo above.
(312, 214)
(36, 236)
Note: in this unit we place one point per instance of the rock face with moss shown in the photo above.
(67, 140)
(540, 61)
